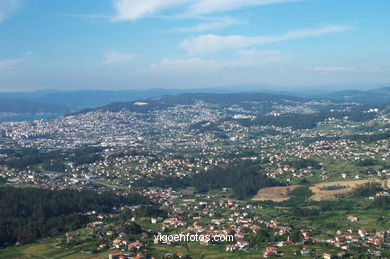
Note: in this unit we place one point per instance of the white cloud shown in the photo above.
(211, 43)
(327, 69)
(245, 59)
(131, 10)
(8, 8)
(6, 64)
(116, 57)
(256, 54)
(192, 64)
(212, 6)
(216, 23)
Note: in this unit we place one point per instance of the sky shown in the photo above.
(140, 44)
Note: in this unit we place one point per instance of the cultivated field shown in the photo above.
(322, 191)
(277, 194)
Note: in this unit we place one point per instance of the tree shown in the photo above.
(133, 228)
(297, 236)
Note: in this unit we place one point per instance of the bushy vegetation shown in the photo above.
(162, 182)
(381, 202)
(304, 163)
(298, 197)
(27, 214)
(305, 212)
(50, 161)
(325, 205)
(245, 179)
(333, 187)
(366, 162)
(367, 189)
(26, 157)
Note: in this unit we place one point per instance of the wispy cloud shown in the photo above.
(116, 57)
(8, 8)
(330, 69)
(246, 58)
(212, 6)
(131, 10)
(192, 64)
(211, 43)
(213, 24)
(89, 16)
(6, 64)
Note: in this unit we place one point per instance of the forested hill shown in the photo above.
(380, 95)
(27, 214)
(376, 96)
(146, 105)
(21, 106)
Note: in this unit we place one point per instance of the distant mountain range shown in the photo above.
(22, 106)
(77, 100)
(381, 95)
(83, 99)
(376, 96)
(54, 101)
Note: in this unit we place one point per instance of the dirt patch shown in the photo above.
(322, 190)
(277, 194)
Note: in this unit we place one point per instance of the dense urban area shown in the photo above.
(284, 176)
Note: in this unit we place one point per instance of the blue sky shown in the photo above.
(123, 44)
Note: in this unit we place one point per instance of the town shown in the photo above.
(168, 154)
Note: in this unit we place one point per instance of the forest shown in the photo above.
(304, 163)
(245, 179)
(50, 161)
(27, 214)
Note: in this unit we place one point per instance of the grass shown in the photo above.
(47, 250)
(210, 252)
(327, 224)
(188, 192)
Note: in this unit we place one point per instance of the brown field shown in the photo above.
(320, 195)
(280, 193)
(277, 194)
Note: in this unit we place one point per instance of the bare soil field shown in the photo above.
(322, 191)
(277, 194)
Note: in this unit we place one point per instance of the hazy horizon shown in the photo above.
(236, 88)
(132, 44)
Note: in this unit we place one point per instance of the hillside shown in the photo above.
(145, 105)
(21, 106)
(380, 95)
